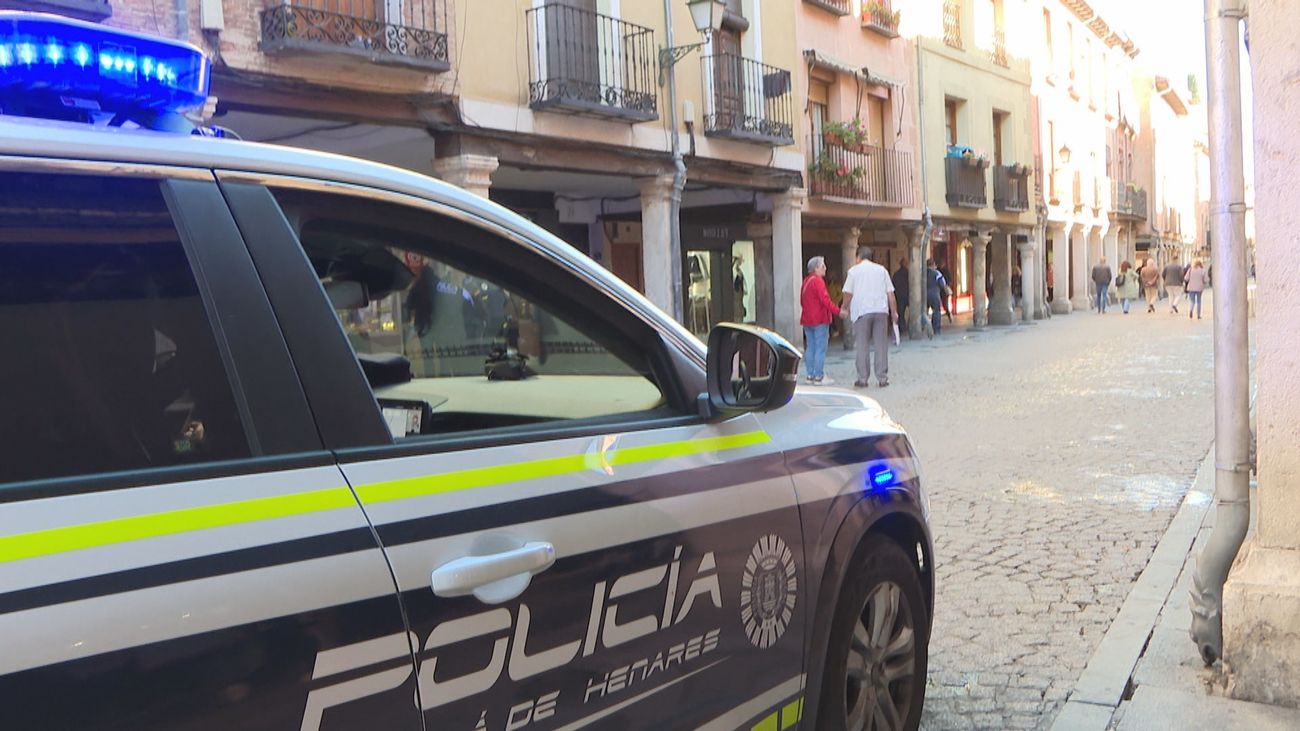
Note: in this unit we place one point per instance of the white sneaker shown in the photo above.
(826, 381)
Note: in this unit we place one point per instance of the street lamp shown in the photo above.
(1065, 154)
(707, 16)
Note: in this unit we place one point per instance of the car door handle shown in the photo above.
(496, 577)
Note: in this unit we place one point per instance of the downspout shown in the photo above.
(679, 182)
(917, 295)
(1232, 460)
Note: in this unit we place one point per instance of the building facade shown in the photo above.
(974, 88)
(1088, 123)
(859, 116)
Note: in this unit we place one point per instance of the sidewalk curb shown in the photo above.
(1100, 688)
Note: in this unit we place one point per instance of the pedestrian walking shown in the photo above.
(1197, 279)
(936, 292)
(1173, 276)
(902, 288)
(818, 312)
(1150, 278)
(1051, 284)
(1101, 277)
(869, 299)
(1127, 287)
(1017, 287)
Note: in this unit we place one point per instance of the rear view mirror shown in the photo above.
(749, 369)
(347, 294)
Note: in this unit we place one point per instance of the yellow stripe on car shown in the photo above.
(381, 492)
(51, 541)
(138, 527)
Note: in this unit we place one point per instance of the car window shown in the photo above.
(109, 359)
(457, 329)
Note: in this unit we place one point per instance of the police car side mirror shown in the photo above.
(749, 369)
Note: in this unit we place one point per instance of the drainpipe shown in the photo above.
(679, 181)
(1232, 460)
(924, 324)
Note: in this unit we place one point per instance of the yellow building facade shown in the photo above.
(976, 131)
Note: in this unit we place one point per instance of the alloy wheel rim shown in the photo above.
(881, 669)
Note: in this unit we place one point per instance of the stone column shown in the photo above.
(1079, 267)
(656, 241)
(1041, 307)
(979, 253)
(473, 173)
(849, 250)
(1261, 600)
(1029, 287)
(787, 251)
(1000, 307)
(916, 282)
(1061, 268)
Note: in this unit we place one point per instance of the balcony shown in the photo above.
(366, 29)
(586, 63)
(999, 51)
(1011, 188)
(952, 23)
(747, 100)
(862, 174)
(879, 17)
(965, 177)
(1130, 203)
(838, 7)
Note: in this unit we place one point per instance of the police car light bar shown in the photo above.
(47, 61)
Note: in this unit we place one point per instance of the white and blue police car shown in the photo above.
(297, 441)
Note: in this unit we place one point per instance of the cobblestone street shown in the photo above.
(1055, 456)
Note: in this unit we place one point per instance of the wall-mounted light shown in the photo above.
(1064, 154)
(707, 16)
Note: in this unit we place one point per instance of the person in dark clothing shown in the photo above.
(902, 288)
(936, 289)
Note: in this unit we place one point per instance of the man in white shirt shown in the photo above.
(869, 302)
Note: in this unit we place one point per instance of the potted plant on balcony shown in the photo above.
(837, 173)
(974, 159)
(848, 135)
(879, 13)
(1018, 169)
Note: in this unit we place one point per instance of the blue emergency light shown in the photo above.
(55, 66)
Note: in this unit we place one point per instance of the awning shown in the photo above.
(826, 61)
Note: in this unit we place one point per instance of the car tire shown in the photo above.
(880, 630)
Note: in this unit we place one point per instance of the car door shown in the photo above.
(177, 550)
(572, 545)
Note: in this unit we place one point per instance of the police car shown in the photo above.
(296, 441)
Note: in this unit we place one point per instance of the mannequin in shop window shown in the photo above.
(741, 287)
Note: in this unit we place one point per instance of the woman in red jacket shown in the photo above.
(818, 311)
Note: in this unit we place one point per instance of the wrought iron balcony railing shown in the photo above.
(999, 52)
(1130, 203)
(588, 63)
(952, 23)
(864, 174)
(966, 186)
(839, 7)
(880, 17)
(1011, 188)
(379, 31)
(748, 100)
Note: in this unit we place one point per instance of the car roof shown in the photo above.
(35, 138)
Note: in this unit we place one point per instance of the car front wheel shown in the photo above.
(875, 674)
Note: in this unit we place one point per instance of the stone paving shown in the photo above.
(1055, 455)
